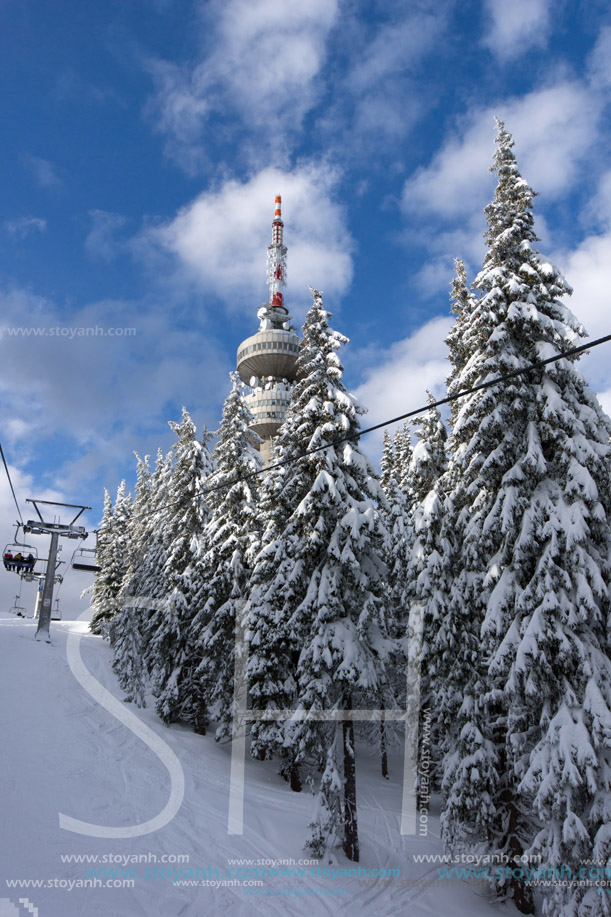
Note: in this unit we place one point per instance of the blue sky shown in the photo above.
(144, 141)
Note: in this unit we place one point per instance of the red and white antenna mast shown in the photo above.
(276, 261)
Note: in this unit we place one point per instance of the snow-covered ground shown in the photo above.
(63, 752)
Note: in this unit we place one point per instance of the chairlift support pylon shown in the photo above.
(56, 530)
(41, 574)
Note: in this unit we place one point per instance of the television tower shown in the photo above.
(267, 361)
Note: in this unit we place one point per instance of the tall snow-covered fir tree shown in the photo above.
(187, 515)
(140, 528)
(128, 661)
(526, 679)
(463, 303)
(388, 464)
(322, 597)
(224, 565)
(273, 647)
(432, 548)
(402, 445)
(423, 479)
(429, 456)
(147, 587)
(100, 592)
(396, 520)
(113, 554)
(396, 517)
(127, 630)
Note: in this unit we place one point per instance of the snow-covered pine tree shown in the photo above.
(229, 546)
(114, 532)
(525, 644)
(396, 521)
(403, 456)
(127, 630)
(147, 588)
(463, 302)
(139, 528)
(395, 514)
(433, 549)
(187, 515)
(101, 584)
(429, 456)
(273, 649)
(325, 595)
(128, 661)
(388, 464)
(423, 478)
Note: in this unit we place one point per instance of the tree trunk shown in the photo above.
(199, 723)
(351, 836)
(295, 778)
(522, 894)
(200, 718)
(383, 753)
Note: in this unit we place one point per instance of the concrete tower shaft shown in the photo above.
(267, 361)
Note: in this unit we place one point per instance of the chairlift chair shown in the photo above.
(56, 614)
(19, 566)
(18, 609)
(85, 559)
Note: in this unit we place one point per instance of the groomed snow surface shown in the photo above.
(63, 752)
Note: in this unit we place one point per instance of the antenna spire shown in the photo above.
(276, 260)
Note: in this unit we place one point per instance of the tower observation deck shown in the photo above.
(267, 361)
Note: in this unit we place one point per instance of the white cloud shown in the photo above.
(44, 172)
(397, 47)
(260, 59)
(106, 393)
(554, 129)
(457, 175)
(70, 86)
(588, 270)
(381, 96)
(605, 400)
(516, 26)
(100, 242)
(398, 378)
(597, 212)
(600, 60)
(271, 51)
(23, 226)
(221, 237)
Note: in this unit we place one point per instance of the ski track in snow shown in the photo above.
(128, 719)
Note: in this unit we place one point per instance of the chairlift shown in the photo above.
(56, 614)
(19, 557)
(86, 559)
(18, 609)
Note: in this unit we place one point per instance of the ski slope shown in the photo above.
(62, 751)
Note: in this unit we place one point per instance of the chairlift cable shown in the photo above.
(10, 482)
(385, 423)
